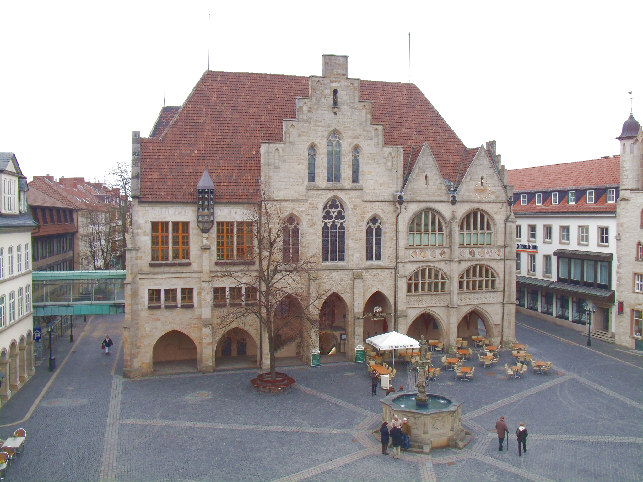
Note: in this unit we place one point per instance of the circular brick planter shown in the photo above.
(265, 383)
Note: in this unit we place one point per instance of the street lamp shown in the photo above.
(71, 329)
(589, 309)
(52, 360)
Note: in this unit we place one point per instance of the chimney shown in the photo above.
(335, 66)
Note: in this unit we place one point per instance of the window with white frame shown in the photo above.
(19, 258)
(27, 257)
(639, 254)
(518, 231)
(637, 322)
(547, 265)
(539, 199)
(427, 279)
(478, 277)
(590, 196)
(10, 260)
(531, 263)
(583, 235)
(611, 195)
(12, 306)
(523, 199)
(10, 195)
(3, 312)
(554, 197)
(547, 233)
(28, 299)
(571, 197)
(532, 232)
(564, 234)
(603, 236)
(638, 283)
(21, 306)
(1, 263)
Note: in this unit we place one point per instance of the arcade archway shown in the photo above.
(473, 324)
(236, 348)
(289, 335)
(332, 325)
(377, 315)
(174, 351)
(426, 325)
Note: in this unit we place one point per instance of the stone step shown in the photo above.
(603, 336)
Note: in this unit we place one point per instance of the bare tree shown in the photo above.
(284, 306)
(98, 247)
(120, 178)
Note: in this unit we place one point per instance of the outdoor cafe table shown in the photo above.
(380, 370)
(519, 346)
(433, 344)
(465, 369)
(463, 351)
(491, 348)
(477, 339)
(539, 366)
(487, 359)
(451, 362)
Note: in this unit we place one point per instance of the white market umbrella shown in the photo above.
(392, 341)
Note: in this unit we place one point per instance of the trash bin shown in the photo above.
(315, 359)
(52, 363)
(360, 356)
(384, 381)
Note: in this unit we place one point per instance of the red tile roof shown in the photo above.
(596, 172)
(223, 122)
(166, 116)
(72, 193)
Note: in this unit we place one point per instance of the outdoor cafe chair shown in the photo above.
(10, 452)
(508, 371)
(439, 347)
(435, 374)
(4, 460)
(469, 376)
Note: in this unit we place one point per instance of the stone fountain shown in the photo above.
(435, 421)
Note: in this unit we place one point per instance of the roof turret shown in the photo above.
(630, 128)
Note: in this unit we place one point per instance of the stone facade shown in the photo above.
(629, 293)
(378, 180)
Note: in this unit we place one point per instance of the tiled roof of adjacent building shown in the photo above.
(223, 122)
(73, 193)
(595, 174)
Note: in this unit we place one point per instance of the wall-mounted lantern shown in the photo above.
(205, 203)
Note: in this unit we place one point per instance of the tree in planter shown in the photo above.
(277, 287)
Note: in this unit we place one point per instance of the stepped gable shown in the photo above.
(227, 116)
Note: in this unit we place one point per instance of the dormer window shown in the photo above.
(571, 197)
(611, 195)
(523, 199)
(539, 199)
(554, 197)
(9, 195)
(590, 196)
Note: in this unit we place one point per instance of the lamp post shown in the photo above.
(71, 329)
(589, 309)
(52, 360)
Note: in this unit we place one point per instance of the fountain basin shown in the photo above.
(439, 424)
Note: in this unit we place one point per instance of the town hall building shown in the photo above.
(404, 227)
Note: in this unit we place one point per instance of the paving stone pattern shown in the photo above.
(86, 422)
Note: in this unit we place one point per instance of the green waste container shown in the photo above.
(360, 355)
(315, 359)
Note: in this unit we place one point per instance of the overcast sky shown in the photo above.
(548, 81)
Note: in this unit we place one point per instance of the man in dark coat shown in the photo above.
(396, 436)
(501, 430)
(373, 383)
(521, 434)
(384, 437)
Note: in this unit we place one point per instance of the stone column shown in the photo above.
(5, 394)
(22, 363)
(451, 323)
(208, 344)
(14, 366)
(356, 324)
(132, 314)
(31, 368)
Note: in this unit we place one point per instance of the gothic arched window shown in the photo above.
(312, 157)
(374, 239)
(355, 165)
(427, 279)
(478, 277)
(334, 163)
(427, 229)
(333, 231)
(290, 234)
(475, 229)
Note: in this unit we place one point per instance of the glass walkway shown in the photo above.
(78, 292)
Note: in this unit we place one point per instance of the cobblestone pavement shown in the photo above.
(85, 422)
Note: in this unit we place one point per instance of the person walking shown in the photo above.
(501, 430)
(107, 342)
(384, 437)
(521, 435)
(406, 434)
(396, 437)
(374, 379)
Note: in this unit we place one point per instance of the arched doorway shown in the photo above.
(332, 325)
(426, 325)
(473, 324)
(174, 352)
(289, 335)
(236, 348)
(377, 315)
